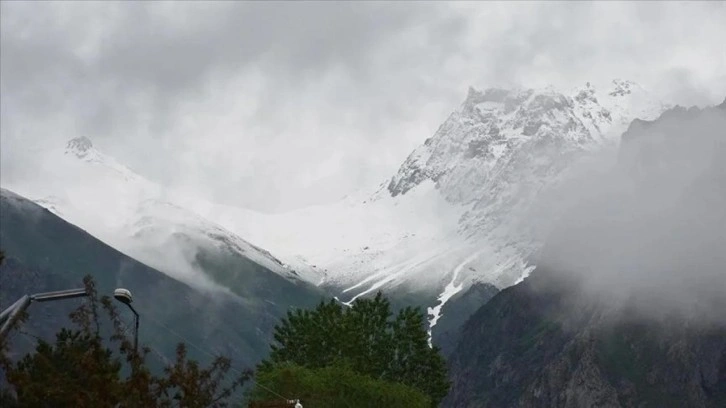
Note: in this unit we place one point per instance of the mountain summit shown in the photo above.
(476, 144)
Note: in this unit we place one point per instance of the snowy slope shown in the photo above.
(136, 216)
(353, 239)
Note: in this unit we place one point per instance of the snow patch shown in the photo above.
(450, 290)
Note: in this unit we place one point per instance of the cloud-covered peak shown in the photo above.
(79, 146)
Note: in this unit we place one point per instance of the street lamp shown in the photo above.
(11, 314)
(124, 296)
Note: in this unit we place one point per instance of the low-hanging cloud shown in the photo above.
(650, 230)
(275, 105)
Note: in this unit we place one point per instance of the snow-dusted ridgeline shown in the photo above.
(464, 206)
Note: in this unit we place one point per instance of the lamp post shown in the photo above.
(11, 314)
(124, 296)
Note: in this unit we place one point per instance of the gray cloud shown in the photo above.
(650, 231)
(277, 105)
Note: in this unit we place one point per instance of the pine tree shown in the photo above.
(335, 386)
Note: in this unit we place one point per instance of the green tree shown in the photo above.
(75, 371)
(80, 369)
(366, 338)
(336, 386)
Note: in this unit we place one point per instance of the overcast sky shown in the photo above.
(280, 105)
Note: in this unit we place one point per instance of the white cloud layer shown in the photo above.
(280, 105)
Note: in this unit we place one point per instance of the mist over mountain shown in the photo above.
(650, 229)
(46, 253)
(140, 218)
(625, 306)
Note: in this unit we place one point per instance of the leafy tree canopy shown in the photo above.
(367, 339)
(336, 386)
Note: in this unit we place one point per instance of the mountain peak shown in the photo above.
(492, 125)
(81, 149)
(79, 146)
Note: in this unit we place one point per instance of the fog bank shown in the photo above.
(650, 228)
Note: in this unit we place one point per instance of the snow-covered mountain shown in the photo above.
(466, 206)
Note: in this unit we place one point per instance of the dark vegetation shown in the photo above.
(336, 386)
(388, 362)
(334, 352)
(331, 356)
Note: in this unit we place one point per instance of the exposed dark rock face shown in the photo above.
(536, 345)
(456, 311)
